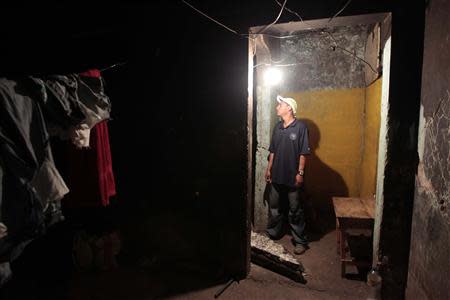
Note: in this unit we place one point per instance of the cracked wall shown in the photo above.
(320, 61)
(429, 262)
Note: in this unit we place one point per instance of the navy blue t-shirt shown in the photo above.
(287, 145)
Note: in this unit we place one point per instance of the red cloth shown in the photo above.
(107, 184)
(91, 73)
(90, 176)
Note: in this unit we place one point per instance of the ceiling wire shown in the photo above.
(249, 36)
(341, 10)
(113, 66)
(276, 20)
(290, 10)
(283, 7)
(215, 21)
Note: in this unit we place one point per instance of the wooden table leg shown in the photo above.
(342, 240)
(338, 236)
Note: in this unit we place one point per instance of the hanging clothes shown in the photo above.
(89, 171)
(32, 109)
(104, 164)
(95, 103)
(73, 104)
(95, 73)
(106, 181)
(30, 180)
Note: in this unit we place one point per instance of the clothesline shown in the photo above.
(114, 66)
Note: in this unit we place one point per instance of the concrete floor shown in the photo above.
(322, 273)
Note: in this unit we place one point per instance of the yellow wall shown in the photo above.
(335, 122)
(344, 130)
(371, 135)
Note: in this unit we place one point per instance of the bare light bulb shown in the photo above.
(272, 76)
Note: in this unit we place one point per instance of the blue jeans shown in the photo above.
(295, 215)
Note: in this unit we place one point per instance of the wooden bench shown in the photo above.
(352, 213)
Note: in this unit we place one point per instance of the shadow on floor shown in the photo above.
(162, 280)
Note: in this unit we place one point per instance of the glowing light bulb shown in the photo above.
(272, 76)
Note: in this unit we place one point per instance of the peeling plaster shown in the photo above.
(434, 169)
(429, 263)
(320, 64)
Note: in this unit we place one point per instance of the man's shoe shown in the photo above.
(299, 249)
(266, 234)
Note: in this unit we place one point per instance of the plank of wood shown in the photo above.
(273, 256)
(350, 207)
(273, 263)
(369, 204)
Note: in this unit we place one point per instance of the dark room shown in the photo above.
(192, 149)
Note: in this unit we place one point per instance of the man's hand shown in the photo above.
(268, 176)
(298, 180)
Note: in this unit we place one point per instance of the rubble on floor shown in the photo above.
(275, 257)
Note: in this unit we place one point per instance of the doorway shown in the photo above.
(338, 72)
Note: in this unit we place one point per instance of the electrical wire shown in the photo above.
(276, 20)
(249, 36)
(341, 10)
(261, 32)
(113, 66)
(215, 21)
(349, 52)
(290, 10)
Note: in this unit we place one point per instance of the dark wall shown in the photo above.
(402, 157)
(179, 115)
(430, 238)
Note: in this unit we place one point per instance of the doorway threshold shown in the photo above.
(275, 257)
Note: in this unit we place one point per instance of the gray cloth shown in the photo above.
(59, 101)
(5, 273)
(3, 230)
(25, 145)
(73, 100)
(1, 187)
(48, 184)
(95, 104)
(30, 179)
(80, 136)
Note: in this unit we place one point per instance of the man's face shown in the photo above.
(283, 109)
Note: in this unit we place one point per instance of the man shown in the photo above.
(288, 150)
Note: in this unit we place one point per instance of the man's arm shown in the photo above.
(301, 168)
(269, 168)
(302, 162)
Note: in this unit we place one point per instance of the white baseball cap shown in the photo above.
(292, 103)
